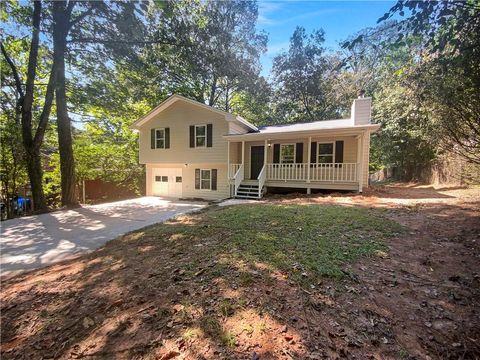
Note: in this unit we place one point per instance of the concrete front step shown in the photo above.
(239, 196)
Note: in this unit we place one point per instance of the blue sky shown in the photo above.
(339, 19)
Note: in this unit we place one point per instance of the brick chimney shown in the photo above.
(362, 110)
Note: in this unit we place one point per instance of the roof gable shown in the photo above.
(175, 98)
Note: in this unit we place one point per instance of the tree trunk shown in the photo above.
(33, 142)
(32, 147)
(61, 18)
(213, 90)
(35, 174)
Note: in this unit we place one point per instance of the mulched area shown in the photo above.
(134, 299)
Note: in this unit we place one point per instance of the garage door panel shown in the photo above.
(167, 182)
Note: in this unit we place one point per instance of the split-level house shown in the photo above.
(192, 150)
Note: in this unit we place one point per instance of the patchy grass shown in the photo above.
(215, 281)
(301, 240)
(309, 239)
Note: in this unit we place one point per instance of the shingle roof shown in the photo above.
(316, 125)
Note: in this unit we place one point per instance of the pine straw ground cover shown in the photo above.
(264, 281)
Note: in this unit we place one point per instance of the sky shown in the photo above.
(339, 19)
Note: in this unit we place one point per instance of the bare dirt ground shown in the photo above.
(419, 299)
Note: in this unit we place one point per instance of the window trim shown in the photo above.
(332, 154)
(294, 153)
(210, 184)
(204, 136)
(164, 138)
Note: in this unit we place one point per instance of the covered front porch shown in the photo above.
(320, 161)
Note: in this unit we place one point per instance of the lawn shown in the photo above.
(296, 239)
(231, 282)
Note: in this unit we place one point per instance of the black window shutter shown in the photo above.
(339, 151)
(197, 178)
(192, 136)
(214, 179)
(152, 139)
(299, 153)
(167, 138)
(276, 153)
(209, 135)
(313, 155)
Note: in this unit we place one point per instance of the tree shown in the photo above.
(32, 141)
(445, 77)
(61, 25)
(303, 79)
(220, 52)
(12, 165)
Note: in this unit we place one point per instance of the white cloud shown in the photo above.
(265, 9)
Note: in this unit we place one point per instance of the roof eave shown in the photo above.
(313, 132)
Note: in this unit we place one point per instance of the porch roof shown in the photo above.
(316, 128)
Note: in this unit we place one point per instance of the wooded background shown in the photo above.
(75, 75)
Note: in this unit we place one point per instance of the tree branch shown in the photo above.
(127, 42)
(47, 107)
(81, 17)
(16, 76)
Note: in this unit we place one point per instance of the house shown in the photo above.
(192, 150)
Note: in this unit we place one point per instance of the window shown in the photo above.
(287, 153)
(159, 138)
(200, 135)
(205, 179)
(178, 179)
(326, 153)
(161, 178)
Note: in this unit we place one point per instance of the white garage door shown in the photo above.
(167, 182)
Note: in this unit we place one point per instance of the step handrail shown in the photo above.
(262, 177)
(238, 177)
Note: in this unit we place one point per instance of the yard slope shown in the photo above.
(306, 277)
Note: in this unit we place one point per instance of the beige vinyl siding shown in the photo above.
(361, 111)
(188, 180)
(235, 152)
(178, 118)
(189, 191)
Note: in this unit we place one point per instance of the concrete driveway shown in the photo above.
(36, 241)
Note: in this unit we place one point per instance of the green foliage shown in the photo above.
(124, 58)
(428, 93)
(304, 79)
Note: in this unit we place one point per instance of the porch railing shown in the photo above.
(287, 172)
(233, 170)
(330, 172)
(334, 172)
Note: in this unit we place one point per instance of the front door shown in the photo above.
(256, 161)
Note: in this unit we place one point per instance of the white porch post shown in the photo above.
(243, 158)
(309, 156)
(265, 154)
(228, 160)
(360, 162)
